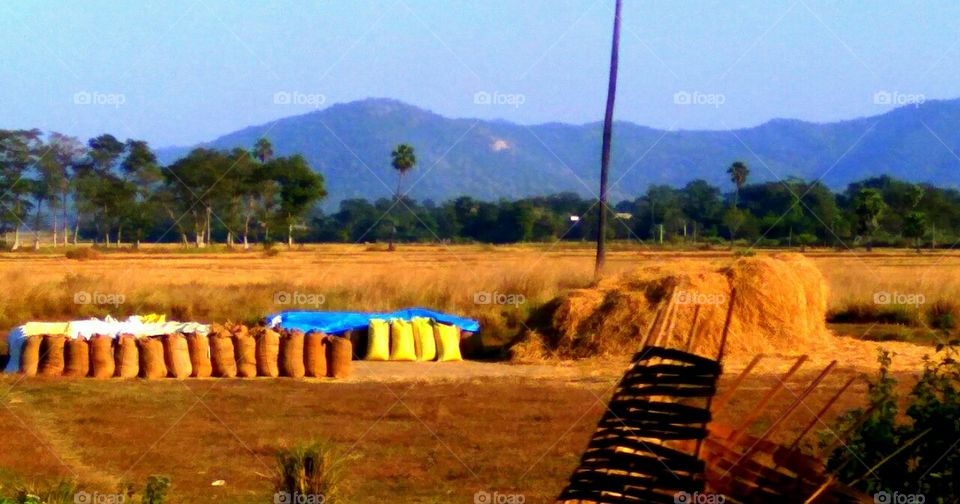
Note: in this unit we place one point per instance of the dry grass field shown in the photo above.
(409, 435)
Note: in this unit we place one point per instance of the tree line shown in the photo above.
(60, 190)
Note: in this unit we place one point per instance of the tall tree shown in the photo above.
(65, 153)
(18, 152)
(605, 147)
(868, 206)
(263, 149)
(300, 188)
(738, 172)
(402, 159)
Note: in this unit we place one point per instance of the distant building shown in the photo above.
(624, 215)
(574, 218)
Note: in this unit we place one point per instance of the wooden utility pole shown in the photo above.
(605, 149)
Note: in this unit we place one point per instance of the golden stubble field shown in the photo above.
(414, 435)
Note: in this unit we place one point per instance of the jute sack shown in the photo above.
(199, 346)
(101, 356)
(339, 357)
(76, 358)
(245, 350)
(152, 364)
(30, 355)
(315, 354)
(268, 352)
(291, 354)
(126, 357)
(222, 357)
(51, 355)
(176, 355)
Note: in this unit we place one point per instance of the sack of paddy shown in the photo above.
(448, 342)
(30, 355)
(76, 358)
(358, 338)
(199, 347)
(315, 354)
(152, 364)
(424, 339)
(339, 357)
(268, 352)
(51, 355)
(101, 356)
(291, 354)
(401, 341)
(222, 357)
(126, 357)
(378, 340)
(245, 350)
(176, 355)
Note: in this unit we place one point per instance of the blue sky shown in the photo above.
(179, 72)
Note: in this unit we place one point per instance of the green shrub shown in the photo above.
(309, 469)
(156, 490)
(942, 315)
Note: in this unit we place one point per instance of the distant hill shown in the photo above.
(351, 143)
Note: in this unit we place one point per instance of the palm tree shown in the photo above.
(605, 148)
(263, 150)
(738, 172)
(403, 159)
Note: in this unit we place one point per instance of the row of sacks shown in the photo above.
(225, 352)
(418, 339)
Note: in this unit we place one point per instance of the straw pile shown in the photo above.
(780, 307)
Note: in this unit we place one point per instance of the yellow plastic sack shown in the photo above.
(41, 328)
(378, 344)
(448, 341)
(401, 341)
(153, 318)
(423, 331)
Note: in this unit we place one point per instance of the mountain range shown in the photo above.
(350, 145)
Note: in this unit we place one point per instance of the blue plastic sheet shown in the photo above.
(337, 322)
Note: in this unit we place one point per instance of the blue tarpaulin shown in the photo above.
(338, 322)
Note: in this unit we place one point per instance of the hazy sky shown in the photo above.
(180, 72)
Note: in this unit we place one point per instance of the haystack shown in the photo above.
(780, 307)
